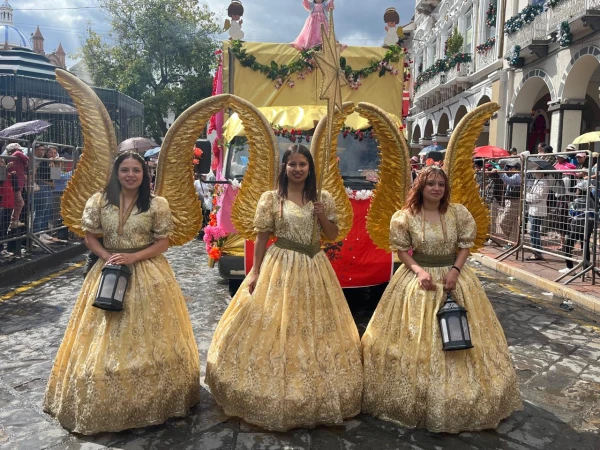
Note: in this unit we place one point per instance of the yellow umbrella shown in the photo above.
(593, 136)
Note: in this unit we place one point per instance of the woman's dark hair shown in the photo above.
(414, 202)
(112, 191)
(310, 184)
(391, 15)
(235, 9)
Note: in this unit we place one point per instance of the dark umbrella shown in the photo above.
(431, 148)
(137, 144)
(25, 128)
(539, 164)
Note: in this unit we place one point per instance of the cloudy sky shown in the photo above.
(357, 22)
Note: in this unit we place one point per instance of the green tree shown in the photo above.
(159, 52)
(454, 43)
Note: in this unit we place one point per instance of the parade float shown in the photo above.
(284, 84)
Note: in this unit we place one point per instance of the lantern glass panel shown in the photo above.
(108, 285)
(444, 330)
(465, 326)
(455, 328)
(121, 286)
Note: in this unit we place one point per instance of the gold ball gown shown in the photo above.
(136, 367)
(409, 379)
(288, 355)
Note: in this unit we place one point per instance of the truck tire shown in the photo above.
(234, 285)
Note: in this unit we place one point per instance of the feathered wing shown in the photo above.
(174, 176)
(333, 182)
(394, 174)
(262, 169)
(458, 164)
(100, 149)
(227, 25)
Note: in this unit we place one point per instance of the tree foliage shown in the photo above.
(454, 44)
(159, 52)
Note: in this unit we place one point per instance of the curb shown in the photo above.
(19, 271)
(585, 301)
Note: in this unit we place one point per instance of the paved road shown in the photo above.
(557, 356)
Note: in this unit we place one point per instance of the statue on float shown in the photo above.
(235, 11)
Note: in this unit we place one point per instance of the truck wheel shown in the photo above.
(234, 286)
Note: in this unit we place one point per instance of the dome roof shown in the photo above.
(10, 34)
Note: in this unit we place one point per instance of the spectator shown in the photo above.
(581, 210)
(540, 147)
(564, 195)
(509, 218)
(204, 191)
(546, 153)
(19, 165)
(582, 164)
(59, 188)
(42, 195)
(514, 152)
(7, 203)
(537, 209)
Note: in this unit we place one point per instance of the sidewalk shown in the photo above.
(542, 274)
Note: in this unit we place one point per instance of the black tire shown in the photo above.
(234, 285)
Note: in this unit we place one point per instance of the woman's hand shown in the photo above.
(425, 281)
(252, 279)
(450, 280)
(122, 258)
(319, 208)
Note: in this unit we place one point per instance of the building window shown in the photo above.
(468, 36)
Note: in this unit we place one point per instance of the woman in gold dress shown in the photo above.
(286, 353)
(139, 366)
(409, 379)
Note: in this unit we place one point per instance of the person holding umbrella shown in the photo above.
(537, 203)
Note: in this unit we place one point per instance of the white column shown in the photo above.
(519, 136)
(571, 125)
(555, 131)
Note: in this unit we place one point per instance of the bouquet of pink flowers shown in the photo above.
(214, 236)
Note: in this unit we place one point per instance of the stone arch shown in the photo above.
(416, 135)
(571, 83)
(443, 124)
(523, 100)
(484, 98)
(428, 131)
(459, 114)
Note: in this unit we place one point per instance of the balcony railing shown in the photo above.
(458, 71)
(487, 58)
(546, 24)
(429, 85)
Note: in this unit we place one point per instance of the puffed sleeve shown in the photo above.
(264, 218)
(466, 228)
(330, 209)
(399, 231)
(90, 221)
(162, 221)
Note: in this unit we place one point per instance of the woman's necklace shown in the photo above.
(124, 214)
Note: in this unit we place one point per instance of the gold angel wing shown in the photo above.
(458, 164)
(174, 176)
(263, 164)
(394, 174)
(100, 150)
(227, 25)
(333, 182)
(400, 32)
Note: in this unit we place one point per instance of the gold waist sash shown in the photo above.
(305, 249)
(127, 250)
(433, 260)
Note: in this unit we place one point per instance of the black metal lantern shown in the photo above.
(113, 284)
(454, 326)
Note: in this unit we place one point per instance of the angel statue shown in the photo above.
(394, 32)
(408, 378)
(138, 366)
(235, 11)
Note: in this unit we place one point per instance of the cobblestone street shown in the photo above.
(556, 353)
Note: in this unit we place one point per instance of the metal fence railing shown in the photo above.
(33, 177)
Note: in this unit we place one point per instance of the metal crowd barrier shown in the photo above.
(39, 224)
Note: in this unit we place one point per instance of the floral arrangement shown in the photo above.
(513, 57)
(306, 64)
(486, 46)
(214, 238)
(357, 134)
(441, 66)
(565, 37)
(333, 249)
(527, 15)
(364, 194)
(491, 14)
(293, 135)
